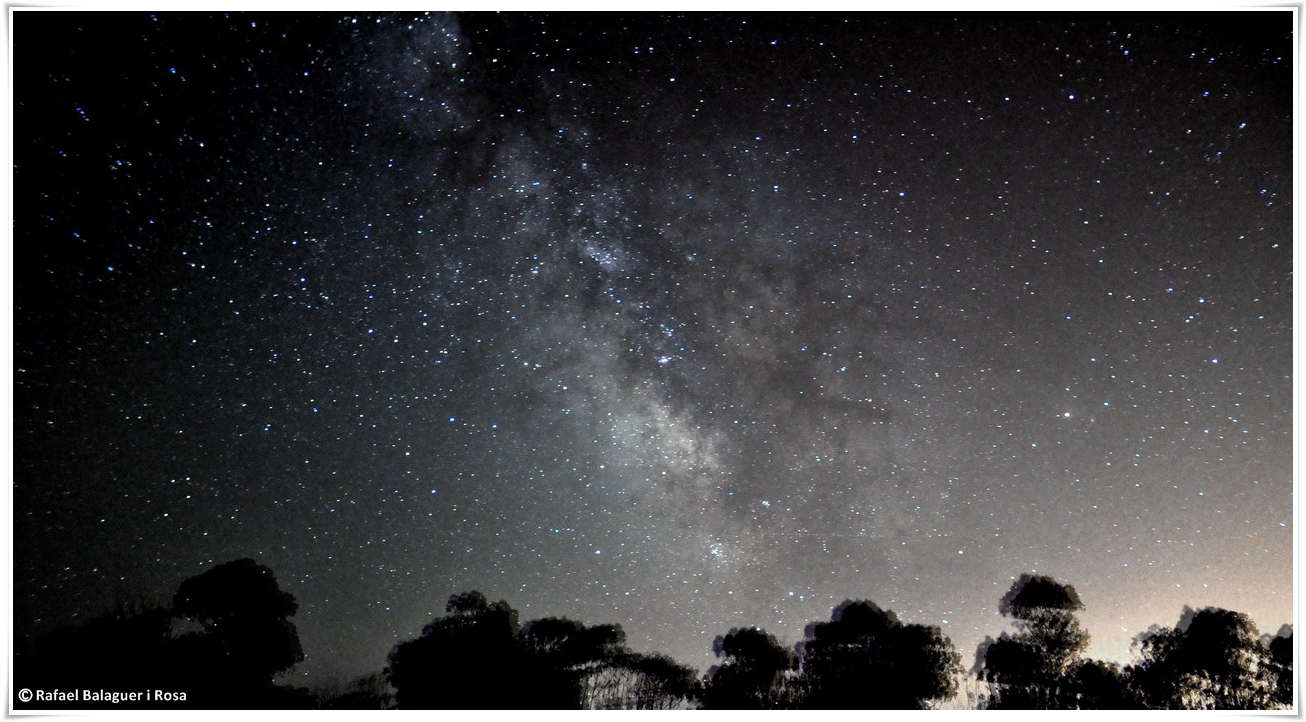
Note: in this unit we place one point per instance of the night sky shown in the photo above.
(681, 322)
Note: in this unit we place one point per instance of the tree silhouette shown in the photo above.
(368, 692)
(555, 649)
(660, 682)
(466, 659)
(865, 658)
(1280, 650)
(242, 638)
(1213, 659)
(1029, 670)
(629, 680)
(563, 658)
(1094, 684)
(753, 674)
(477, 656)
(125, 648)
(246, 638)
(597, 649)
(245, 618)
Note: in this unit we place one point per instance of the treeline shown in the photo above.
(220, 645)
(227, 636)
(1212, 659)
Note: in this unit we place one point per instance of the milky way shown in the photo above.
(682, 322)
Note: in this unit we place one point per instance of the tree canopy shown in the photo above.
(1212, 659)
(1031, 669)
(865, 658)
(245, 616)
(477, 655)
(242, 638)
(462, 660)
(752, 674)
